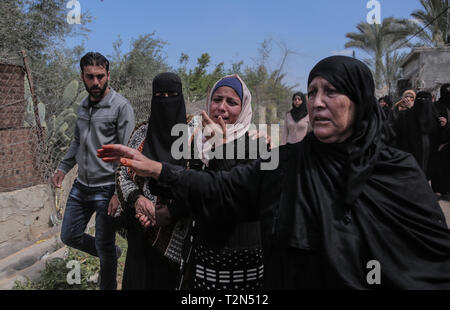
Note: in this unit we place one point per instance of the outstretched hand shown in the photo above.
(131, 158)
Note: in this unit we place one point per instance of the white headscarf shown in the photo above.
(234, 131)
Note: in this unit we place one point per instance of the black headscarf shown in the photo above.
(445, 95)
(345, 204)
(387, 107)
(354, 79)
(165, 113)
(425, 114)
(299, 112)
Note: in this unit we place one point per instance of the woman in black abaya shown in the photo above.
(440, 180)
(418, 131)
(339, 201)
(150, 264)
(386, 106)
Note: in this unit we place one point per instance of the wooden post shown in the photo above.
(43, 152)
(33, 93)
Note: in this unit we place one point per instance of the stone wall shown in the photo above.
(25, 214)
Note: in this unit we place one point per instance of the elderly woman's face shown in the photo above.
(331, 114)
(226, 103)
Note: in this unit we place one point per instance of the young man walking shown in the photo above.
(104, 117)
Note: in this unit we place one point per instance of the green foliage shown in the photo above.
(35, 25)
(60, 125)
(197, 82)
(270, 93)
(60, 129)
(132, 73)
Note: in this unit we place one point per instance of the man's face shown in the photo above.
(95, 79)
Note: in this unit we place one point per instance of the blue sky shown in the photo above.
(232, 30)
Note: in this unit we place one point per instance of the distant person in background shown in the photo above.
(407, 101)
(296, 121)
(386, 105)
(440, 180)
(417, 131)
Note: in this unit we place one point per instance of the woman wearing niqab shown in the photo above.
(440, 180)
(153, 256)
(418, 131)
(332, 209)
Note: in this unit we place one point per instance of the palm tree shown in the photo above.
(392, 69)
(377, 39)
(436, 13)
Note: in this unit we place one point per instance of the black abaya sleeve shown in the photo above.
(233, 194)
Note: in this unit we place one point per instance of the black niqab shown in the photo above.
(445, 95)
(417, 130)
(425, 113)
(165, 113)
(299, 112)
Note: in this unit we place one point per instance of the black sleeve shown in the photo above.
(232, 194)
(444, 135)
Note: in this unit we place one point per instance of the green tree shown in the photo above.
(270, 92)
(35, 25)
(40, 28)
(377, 39)
(435, 13)
(392, 70)
(132, 73)
(197, 81)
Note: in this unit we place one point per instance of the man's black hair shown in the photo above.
(94, 59)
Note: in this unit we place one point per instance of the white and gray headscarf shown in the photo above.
(234, 131)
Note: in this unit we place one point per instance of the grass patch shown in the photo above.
(54, 275)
